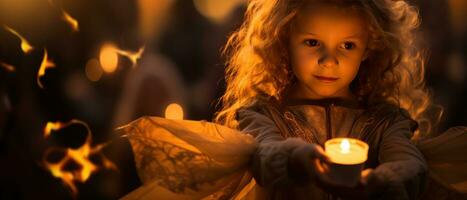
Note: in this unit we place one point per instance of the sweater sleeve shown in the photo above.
(402, 170)
(270, 166)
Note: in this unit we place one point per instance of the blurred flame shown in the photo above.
(67, 17)
(133, 56)
(345, 146)
(7, 67)
(52, 126)
(46, 63)
(109, 56)
(70, 20)
(80, 156)
(174, 111)
(25, 46)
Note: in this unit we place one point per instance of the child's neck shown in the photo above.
(298, 92)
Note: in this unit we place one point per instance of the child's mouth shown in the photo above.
(326, 79)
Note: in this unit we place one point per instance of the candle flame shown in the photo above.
(46, 63)
(174, 111)
(80, 156)
(345, 146)
(25, 46)
(7, 67)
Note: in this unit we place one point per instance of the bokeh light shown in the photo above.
(108, 58)
(215, 10)
(93, 70)
(174, 111)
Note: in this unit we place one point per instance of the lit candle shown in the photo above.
(346, 151)
(347, 156)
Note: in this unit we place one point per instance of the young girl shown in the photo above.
(316, 70)
(301, 72)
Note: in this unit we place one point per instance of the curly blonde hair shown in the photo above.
(258, 61)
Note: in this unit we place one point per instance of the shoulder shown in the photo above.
(382, 116)
(260, 105)
(388, 111)
(255, 110)
(262, 112)
(260, 120)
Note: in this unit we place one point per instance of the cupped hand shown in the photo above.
(305, 155)
(325, 181)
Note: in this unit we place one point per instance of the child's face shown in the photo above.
(326, 46)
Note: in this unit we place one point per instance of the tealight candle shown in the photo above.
(347, 156)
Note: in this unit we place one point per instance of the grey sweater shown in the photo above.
(399, 167)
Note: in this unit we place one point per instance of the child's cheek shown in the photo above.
(355, 57)
(308, 59)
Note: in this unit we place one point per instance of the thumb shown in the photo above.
(320, 154)
(364, 176)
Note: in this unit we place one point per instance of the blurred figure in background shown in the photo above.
(148, 88)
(154, 82)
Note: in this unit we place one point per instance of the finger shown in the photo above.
(364, 175)
(321, 154)
(320, 167)
(366, 172)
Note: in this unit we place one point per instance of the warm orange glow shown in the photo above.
(152, 17)
(56, 170)
(7, 67)
(55, 126)
(108, 58)
(71, 21)
(174, 111)
(133, 56)
(458, 13)
(347, 151)
(67, 17)
(80, 156)
(51, 126)
(215, 10)
(93, 70)
(25, 46)
(46, 63)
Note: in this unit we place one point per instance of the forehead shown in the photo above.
(328, 19)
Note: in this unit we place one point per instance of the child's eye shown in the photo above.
(348, 45)
(312, 43)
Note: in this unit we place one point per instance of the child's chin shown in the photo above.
(327, 93)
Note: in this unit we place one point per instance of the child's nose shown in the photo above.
(327, 60)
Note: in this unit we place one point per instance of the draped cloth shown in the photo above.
(183, 159)
(446, 156)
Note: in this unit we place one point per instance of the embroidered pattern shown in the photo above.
(298, 131)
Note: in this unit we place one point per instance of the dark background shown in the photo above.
(181, 64)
